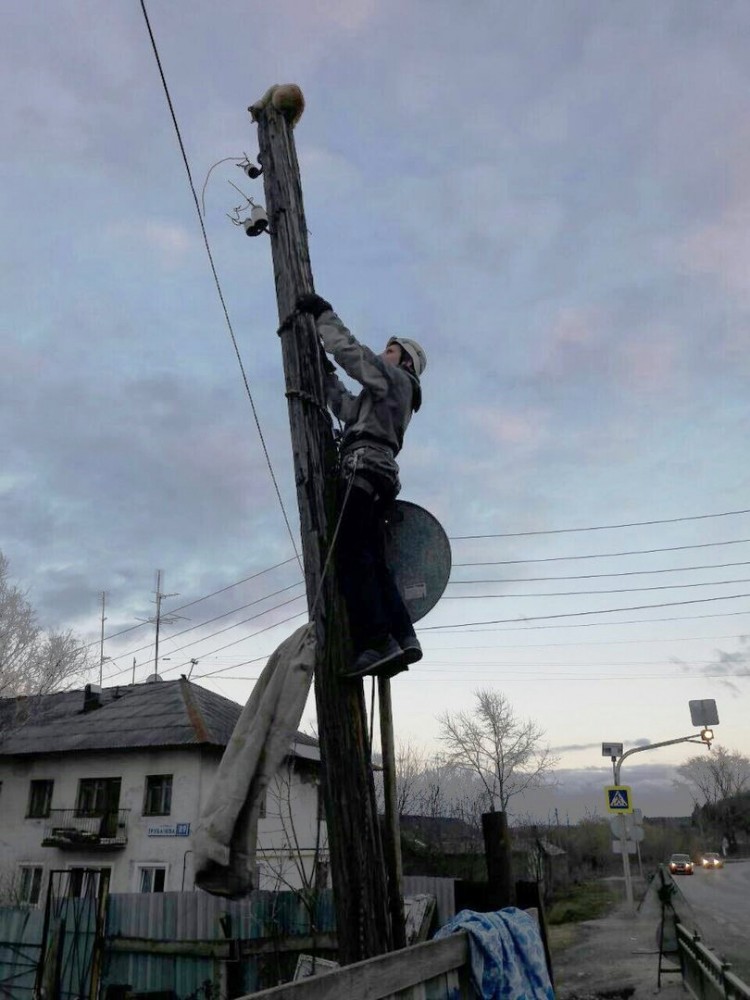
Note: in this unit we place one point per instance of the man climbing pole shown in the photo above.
(374, 425)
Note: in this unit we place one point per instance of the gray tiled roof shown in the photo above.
(159, 714)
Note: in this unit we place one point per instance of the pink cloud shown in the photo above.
(575, 332)
(650, 359)
(722, 250)
(524, 430)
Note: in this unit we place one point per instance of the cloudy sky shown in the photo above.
(553, 198)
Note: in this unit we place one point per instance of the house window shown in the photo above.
(40, 799)
(98, 796)
(158, 795)
(30, 884)
(151, 879)
(85, 882)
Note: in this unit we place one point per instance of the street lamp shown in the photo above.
(703, 714)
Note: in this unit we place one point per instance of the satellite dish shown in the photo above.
(418, 553)
(153, 678)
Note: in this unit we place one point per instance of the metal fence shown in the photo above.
(190, 944)
(20, 948)
(706, 976)
(180, 942)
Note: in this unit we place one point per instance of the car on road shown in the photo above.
(681, 864)
(711, 860)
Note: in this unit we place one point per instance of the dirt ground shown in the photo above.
(616, 956)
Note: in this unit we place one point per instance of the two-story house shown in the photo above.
(115, 779)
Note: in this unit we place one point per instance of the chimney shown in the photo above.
(92, 697)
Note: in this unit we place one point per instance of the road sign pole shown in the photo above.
(626, 862)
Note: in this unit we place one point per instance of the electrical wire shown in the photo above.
(212, 635)
(230, 586)
(630, 621)
(599, 527)
(132, 628)
(607, 555)
(539, 645)
(597, 576)
(244, 638)
(226, 614)
(580, 593)
(218, 283)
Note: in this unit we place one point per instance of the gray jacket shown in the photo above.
(376, 419)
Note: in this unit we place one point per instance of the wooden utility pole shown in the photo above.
(363, 921)
(497, 850)
(392, 826)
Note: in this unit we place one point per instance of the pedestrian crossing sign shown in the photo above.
(619, 799)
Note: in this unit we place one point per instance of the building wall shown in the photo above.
(151, 840)
(292, 846)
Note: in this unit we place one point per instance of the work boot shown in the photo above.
(411, 651)
(377, 659)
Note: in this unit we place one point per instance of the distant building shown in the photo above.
(442, 846)
(116, 778)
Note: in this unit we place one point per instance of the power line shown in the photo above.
(423, 673)
(252, 635)
(596, 642)
(595, 576)
(253, 576)
(594, 593)
(451, 583)
(226, 614)
(230, 586)
(221, 631)
(630, 621)
(218, 283)
(606, 555)
(537, 645)
(599, 527)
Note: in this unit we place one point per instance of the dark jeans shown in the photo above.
(373, 602)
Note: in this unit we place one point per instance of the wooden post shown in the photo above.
(497, 853)
(392, 830)
(357, 863)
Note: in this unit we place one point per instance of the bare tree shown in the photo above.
(716, 779)
(411, 764)
(32, 661)
(717, 775)
(506, 753)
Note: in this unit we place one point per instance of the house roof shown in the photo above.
(157, 714)
(447, 833)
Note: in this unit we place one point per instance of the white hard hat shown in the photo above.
(415, 352)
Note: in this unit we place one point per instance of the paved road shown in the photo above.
(718, 906)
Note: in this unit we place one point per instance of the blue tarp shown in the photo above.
(506, 954)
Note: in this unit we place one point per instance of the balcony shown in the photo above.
(69, 830)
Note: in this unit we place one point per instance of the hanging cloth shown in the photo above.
(225, 838)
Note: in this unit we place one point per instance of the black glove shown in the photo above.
(313, 304)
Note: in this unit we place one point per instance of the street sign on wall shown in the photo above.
(169, 830)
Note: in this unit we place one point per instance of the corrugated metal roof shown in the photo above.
(157, 714)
